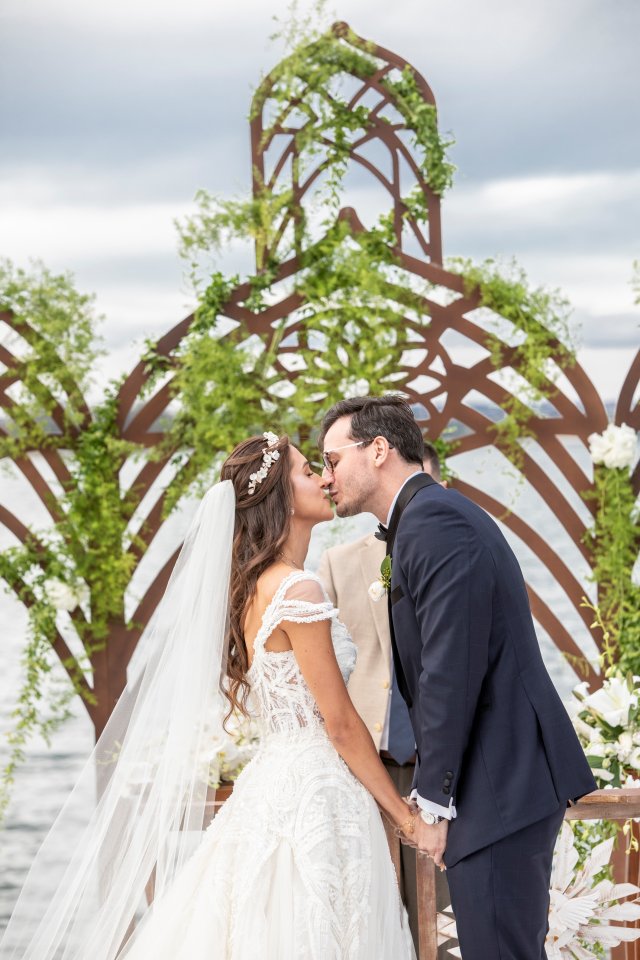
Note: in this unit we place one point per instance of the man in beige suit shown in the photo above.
(347, 571)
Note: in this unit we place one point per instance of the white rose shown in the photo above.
(61, 595)
(376, 591)
(615, 447)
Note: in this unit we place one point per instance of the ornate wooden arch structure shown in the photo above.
(444, 389)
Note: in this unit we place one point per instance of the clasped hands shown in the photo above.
(430, 839)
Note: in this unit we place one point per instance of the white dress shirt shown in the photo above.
(449, 813)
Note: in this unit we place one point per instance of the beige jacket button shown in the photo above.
(377, 727)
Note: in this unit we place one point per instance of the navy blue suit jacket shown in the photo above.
(491, 731)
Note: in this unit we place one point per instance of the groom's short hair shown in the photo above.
(389, 416)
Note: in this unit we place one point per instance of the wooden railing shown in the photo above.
(617, 805)
(601, 805)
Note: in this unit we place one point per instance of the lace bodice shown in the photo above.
(280, 694)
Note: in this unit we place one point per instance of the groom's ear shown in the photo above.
(380, 447)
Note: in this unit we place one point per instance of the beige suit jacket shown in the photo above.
(347, 572)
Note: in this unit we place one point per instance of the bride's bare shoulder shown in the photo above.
(304, 586)
(271, 578)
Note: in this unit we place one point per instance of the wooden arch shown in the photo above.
(443, 389)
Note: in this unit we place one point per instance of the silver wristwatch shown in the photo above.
(431, 818)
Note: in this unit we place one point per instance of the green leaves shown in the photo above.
(385, 573)
(52, 357)
(541, 333)
(613, 542)
(421, 118)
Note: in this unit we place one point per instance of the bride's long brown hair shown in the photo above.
(261, 528)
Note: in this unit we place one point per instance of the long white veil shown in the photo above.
(149, 766)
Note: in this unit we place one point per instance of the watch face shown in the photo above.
(429, 818)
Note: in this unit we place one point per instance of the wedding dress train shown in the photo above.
(296, 865)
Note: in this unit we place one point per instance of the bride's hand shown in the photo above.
(406, 828)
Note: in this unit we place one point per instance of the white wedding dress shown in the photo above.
(296, 865)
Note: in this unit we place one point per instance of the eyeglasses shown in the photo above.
(326, 455)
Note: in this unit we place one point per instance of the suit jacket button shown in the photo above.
(447, 782)
(449, 773)
(446, 790)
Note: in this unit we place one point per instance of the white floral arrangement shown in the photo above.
(615, 447)
(65, 596)
(581, 907)
(229, 751)
(607, 722)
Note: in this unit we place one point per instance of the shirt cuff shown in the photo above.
(449, 813)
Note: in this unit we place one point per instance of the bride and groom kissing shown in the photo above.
(296, 864)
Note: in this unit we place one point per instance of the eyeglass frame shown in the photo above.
(325, 455)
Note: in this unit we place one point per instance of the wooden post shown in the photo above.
(427, 912)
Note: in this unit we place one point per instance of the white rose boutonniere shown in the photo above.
(377, 591)
(380, 587)
(615, 447)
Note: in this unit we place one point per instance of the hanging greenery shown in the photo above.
(537, 346)
(613, 541)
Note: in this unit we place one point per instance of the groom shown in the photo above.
(498, 759)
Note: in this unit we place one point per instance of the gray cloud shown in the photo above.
(112, 106)
(526, 87)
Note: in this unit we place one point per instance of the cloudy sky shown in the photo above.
(114, 112)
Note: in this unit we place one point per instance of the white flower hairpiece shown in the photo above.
(268, 458)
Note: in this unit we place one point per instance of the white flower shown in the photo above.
(613, 701)
(228, 751)
(579, 908)
(62, 596)
(376, 591)
(581, 690)
(615, 447)
(625, 746)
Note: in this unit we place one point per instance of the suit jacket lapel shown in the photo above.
(407, 493)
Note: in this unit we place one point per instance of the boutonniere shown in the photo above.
(382, 585)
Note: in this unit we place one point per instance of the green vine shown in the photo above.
(540, 344)
(613, 541)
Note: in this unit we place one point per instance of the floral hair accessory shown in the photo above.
(268, 458)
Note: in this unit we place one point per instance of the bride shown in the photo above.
(296, 865)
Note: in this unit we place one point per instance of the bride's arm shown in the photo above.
(313, 648)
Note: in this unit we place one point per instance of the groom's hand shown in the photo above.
(432, 840)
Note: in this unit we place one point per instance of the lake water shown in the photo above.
(45, 779)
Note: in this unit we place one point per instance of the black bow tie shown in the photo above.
(381, 533)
